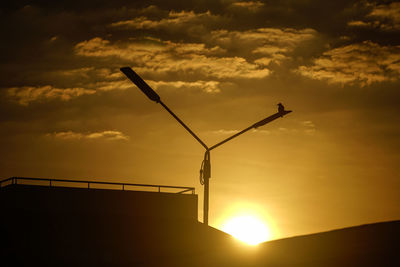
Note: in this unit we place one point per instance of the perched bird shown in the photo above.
(281, 108)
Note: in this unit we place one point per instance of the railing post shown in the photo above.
(123, 187)
(159, 189)
(88, 185)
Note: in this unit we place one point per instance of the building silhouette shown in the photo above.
(48, 222)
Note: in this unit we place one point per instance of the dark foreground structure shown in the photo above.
(61, 223)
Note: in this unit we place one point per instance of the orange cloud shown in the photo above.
(173, 20)
(364, 63)
(249, 5)
(272, 44)
(166, 57)
(27, 94)
(205, 86)
(274, 38)
(105, 135)
(224, 132)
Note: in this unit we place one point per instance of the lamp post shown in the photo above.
(205, 171)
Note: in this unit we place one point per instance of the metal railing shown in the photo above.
(94, 185)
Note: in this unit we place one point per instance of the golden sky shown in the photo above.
(68, 112)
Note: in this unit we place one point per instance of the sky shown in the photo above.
(66, 111)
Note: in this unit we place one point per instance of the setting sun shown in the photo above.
(248, 229)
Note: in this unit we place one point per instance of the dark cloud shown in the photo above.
(385, 17)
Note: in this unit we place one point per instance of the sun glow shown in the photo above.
(248, 229)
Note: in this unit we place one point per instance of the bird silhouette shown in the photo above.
(281, 108)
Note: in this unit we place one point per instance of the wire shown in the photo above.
(205, 169)
(202, 172)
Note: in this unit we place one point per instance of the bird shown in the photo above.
(281, 108)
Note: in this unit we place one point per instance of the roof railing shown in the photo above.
(94, 185)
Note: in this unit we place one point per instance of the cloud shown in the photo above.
(306, 128)
(360, 23)
(172, 23)
(105, 135)
(144, 49)
(309, 127)
(209, 59)
(265, 61)
(165, 57)
(27, 94)
(173, 19)
(78, 77)
(224, 132)
(205, 86)
(362, 63)
(389, 12)
(89, 72)
(252, 6)
(384, 17)
(232, 132)
(308, 124)
(274, 38)
(104, 86)
(273, 44)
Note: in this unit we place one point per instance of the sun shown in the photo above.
(248, 229)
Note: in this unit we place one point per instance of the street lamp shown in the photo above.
(205, 171)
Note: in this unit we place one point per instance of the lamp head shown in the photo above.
(142, 85)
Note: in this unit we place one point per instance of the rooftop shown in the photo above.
(51, 182)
